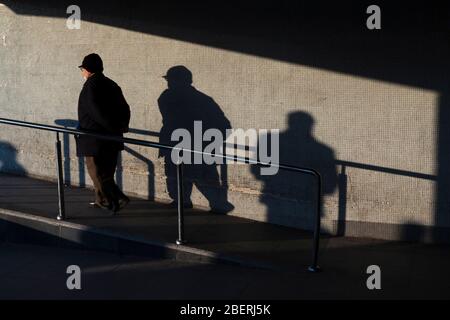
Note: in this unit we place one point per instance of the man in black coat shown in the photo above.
(102, 109)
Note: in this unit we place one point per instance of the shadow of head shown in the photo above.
(8, 159)
(300, 123)
(303, 149)
(178, 77)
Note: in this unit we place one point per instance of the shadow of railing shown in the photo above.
(72, 124)
(179, 168)
(342, 185)
(342, 174)
(69, 123)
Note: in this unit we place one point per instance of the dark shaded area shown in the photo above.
(411, 49)
(408, 270)
(442, 194)
(141, 219)
(298, 147)
(181, 105)
(8, 159)
(321, 34)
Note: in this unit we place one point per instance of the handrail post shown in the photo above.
(61, 204)
(315, 256)
(180, 201)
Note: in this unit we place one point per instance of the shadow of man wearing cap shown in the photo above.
(102, 109)
(180, 105)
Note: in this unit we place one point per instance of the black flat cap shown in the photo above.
(92, 63)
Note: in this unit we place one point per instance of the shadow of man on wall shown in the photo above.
(8, 160)
(181, 104)
(73, 124)
(297, 147)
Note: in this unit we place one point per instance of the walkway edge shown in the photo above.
(121, 243)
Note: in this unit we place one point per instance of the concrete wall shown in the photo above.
(378, 100)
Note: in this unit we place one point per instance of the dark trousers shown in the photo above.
(101, 169)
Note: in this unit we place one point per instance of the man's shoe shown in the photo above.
(119, 205)
(100, 205)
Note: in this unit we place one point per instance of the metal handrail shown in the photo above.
(61, 215)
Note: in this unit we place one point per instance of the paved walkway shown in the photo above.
(409, 270)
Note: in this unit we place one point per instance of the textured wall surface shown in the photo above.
(368, 110)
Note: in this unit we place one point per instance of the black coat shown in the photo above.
(102, 108)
